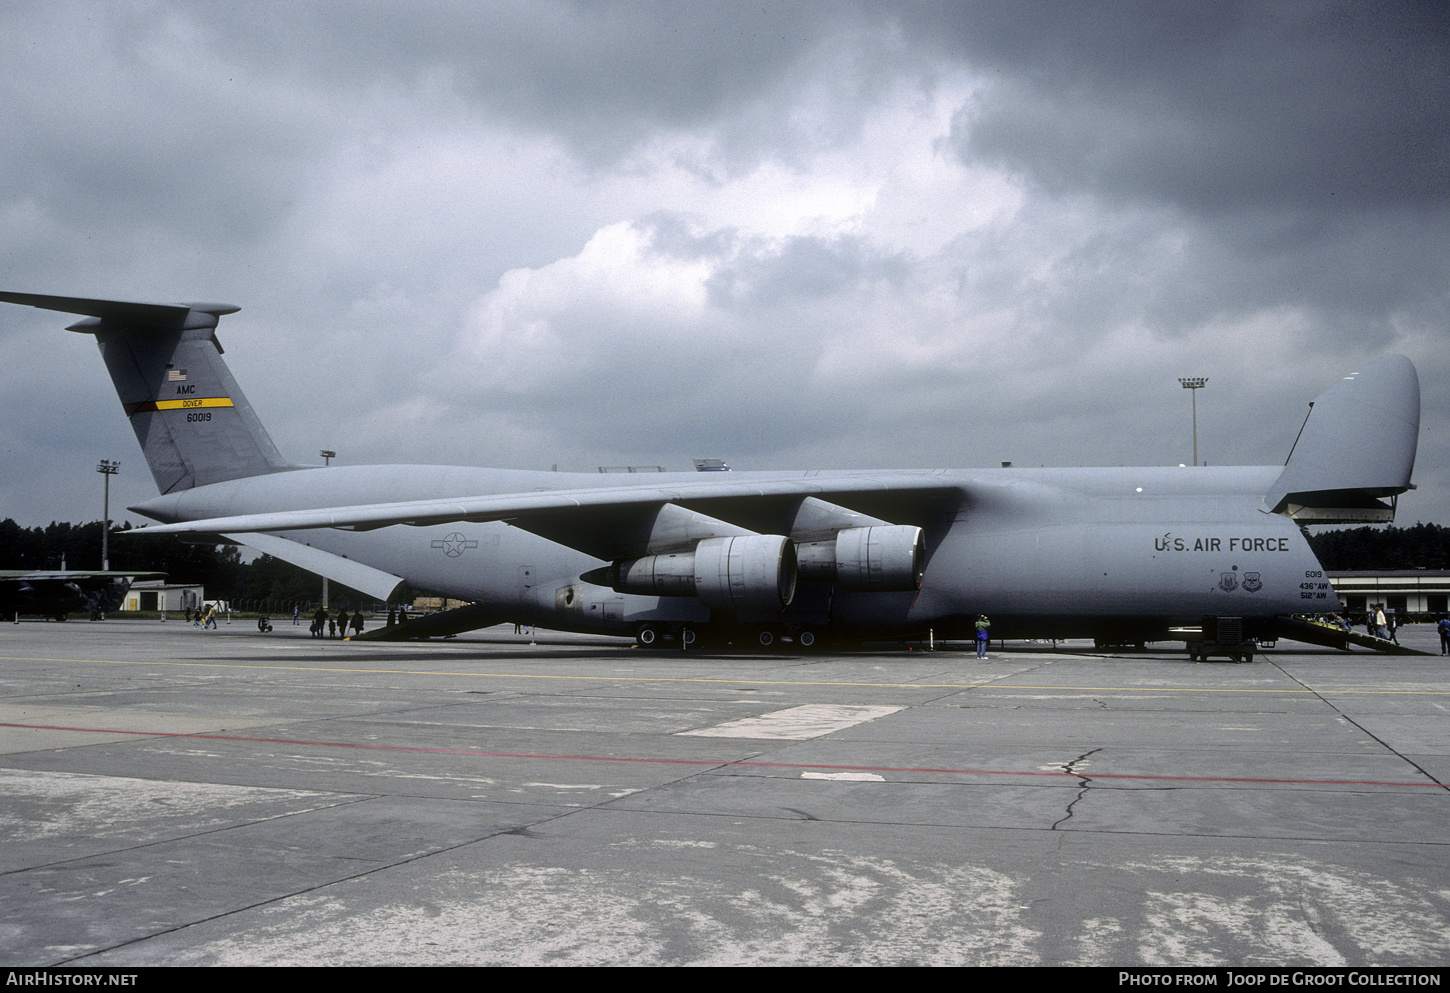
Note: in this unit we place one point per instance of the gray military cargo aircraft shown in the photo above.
(1120, 555)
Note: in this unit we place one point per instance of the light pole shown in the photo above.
(327, 456)
(107, 468)
(1194, 385)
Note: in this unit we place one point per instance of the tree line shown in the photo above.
(1379, 549)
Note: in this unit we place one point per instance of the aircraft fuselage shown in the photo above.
(1127, 552)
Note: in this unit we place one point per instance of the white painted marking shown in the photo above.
(855, 777)
(796, 723)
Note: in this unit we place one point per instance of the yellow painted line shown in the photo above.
(740, 679)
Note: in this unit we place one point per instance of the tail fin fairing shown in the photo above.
(193, 422)
(1356, 448)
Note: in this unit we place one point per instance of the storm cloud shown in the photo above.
(789, 235)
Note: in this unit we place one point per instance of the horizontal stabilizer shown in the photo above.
(160, 315)
(365, 579)
(1356, 448)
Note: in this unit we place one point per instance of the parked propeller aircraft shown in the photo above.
(64, 591)
(1120, 554)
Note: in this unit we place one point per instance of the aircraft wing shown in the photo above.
(621, 513)
(69, 575)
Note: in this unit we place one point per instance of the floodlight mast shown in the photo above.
(1193, 385)
(107, 469)
(327, 456)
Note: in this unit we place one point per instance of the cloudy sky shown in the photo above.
(788, 235)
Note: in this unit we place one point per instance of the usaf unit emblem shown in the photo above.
(1252, 584)
(1228, 582)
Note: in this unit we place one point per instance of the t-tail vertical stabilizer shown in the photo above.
(1356, 448)
(193, 422)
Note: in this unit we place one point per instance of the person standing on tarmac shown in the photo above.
(984, 627)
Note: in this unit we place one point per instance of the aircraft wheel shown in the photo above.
(648, 636)
(689, 636)
(807, 639)
(766, 638)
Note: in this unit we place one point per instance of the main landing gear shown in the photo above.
(688, 637)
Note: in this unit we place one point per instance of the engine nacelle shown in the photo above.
(882, 559)
(654, 575)
(751, 572)
(745, 573)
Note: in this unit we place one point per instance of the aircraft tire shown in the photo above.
(766, 638)
(689, 637)
(649, 636)
(807, 639)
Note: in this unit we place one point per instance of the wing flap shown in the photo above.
(374, 582)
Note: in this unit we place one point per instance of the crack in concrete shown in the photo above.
(1069, 768)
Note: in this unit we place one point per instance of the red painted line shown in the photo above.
(727, 763)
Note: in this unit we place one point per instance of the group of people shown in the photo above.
(324, 626)
(1380, 625)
